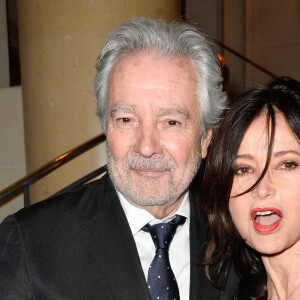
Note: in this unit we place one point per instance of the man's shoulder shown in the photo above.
(78, 202)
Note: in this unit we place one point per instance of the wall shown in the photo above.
(267, 32)
(206, 14)
(12, 149)
(272, 38)
(4, 70)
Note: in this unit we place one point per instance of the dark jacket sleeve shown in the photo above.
(14, 282)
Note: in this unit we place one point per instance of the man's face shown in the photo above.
(153, 130)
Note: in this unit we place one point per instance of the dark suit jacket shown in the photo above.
(79, 246)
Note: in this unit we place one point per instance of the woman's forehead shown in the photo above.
(258, 134)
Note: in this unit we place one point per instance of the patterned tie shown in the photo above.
(161, 280)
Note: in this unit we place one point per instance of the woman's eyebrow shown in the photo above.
(281, 153)
(247, 156)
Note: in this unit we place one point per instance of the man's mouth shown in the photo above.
(149, 172)
(266, 220)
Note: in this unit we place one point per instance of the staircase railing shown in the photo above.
(250, 61)
(24, 183)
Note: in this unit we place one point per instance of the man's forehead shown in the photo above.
(154, 58)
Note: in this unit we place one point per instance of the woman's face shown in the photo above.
(268, 217)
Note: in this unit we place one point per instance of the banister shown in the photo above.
(248, 60)
(24, 182)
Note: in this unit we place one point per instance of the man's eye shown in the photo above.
(173, 123)
(289, 165)
(123, 120)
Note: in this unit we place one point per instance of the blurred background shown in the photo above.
(48, 51)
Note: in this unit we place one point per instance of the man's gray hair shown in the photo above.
(169, 40)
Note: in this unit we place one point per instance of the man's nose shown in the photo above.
(265, 189)
(148, 140)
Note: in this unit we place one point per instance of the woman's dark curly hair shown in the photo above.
(226, 245)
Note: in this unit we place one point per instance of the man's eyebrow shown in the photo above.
(125, 108)
(174, 110)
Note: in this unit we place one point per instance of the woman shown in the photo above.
(251, 192)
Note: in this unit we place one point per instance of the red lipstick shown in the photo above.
(266, 220)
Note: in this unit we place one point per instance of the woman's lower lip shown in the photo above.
(266, 229)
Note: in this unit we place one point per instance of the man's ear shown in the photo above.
(205, 140)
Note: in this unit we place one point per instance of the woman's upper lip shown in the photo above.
(264, 209)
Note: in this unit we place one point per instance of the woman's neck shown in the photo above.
(283, 271)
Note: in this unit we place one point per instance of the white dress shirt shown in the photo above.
(179, 251)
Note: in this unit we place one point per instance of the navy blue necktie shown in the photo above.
(161, 280)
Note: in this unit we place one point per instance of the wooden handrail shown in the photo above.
(248, 60)
(24, 182)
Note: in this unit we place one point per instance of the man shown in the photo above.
(159, 94)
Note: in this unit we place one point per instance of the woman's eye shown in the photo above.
(289, 165)
(241, 171)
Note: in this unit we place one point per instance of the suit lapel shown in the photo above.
(200, 287)
(110, 242)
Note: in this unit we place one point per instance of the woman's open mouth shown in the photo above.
(266, 220)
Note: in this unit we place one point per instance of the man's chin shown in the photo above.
(147, 200)
(150, 182)
(149, 195)
(145, 190)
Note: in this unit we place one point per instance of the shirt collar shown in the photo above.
(138, 217)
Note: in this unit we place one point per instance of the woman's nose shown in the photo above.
(265, 188)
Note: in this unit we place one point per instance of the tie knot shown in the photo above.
(163, 233)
